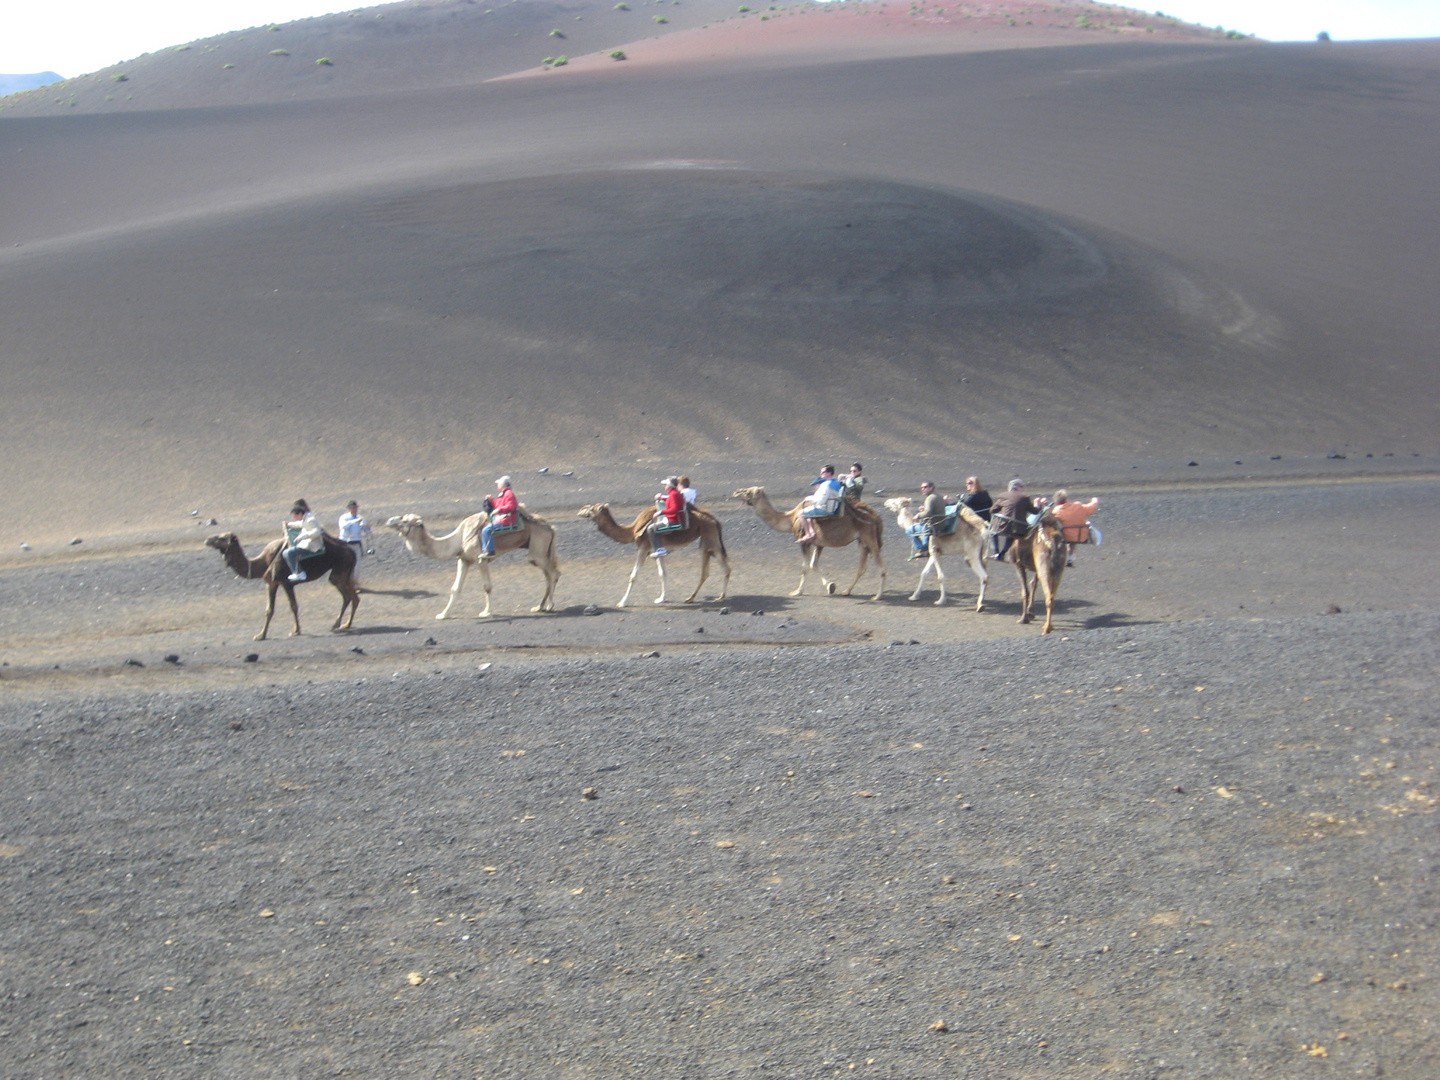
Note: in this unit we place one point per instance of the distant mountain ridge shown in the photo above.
(13, 84)
(419, 44)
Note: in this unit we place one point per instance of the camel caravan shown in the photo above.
(1037, 537)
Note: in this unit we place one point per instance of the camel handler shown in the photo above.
(927, 521)
(672, 513)
(503, 509)
(1074, 518)
(354, 530)
(1010, 518)
(853, 483)
(304, 536)
(824, 501)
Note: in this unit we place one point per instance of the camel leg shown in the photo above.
(924, 573)
(641, 552)
(939, 573)
(461, 569)
(809, 554)
(864, 561)
(294, 607)
(485, 584)
(704, 573)
(660, 569)
(880, 566)
(269, 611)
(547, 602)
(1026, 593)
(1051, 584)
(724, 585)
(977, 564)
(349, 598)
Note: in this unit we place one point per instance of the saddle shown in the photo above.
(1076, 534)
(1015, 528)
(662, 524)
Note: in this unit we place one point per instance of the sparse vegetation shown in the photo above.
(661, 19)
(617, 54)
(228, 67)
(561, 61)
(556, 33)
(622, 7)
(325, 61)
(120, 78)
(279, 52)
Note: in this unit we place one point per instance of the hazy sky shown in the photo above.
(76, 36)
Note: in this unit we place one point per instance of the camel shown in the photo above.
(968, 540)
(337, 560)
(702, 526)
(1042, 552)
(856, 522)
(463, 545)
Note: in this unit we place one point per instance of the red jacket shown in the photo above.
(674, 506)
(503, 507)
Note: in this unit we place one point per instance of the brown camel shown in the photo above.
(701, 526)
(337, 559)
(968, 541)
(463, 545)
(856, 522)
(1042, 552)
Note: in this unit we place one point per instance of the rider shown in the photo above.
(683, 483)
(930, 518)
(672, 513)
(1006, 512)
(503, 509)
(824, 501)
(853, 483)
(976, 498)
(1074, 518)
(304, 536)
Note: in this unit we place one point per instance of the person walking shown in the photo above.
(354, 531)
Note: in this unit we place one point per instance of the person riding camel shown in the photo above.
(1074, 518)
(927, 521)
(853, 483)
(824, 501)
(976, 498)
(304, 536)
(672, 513)
(1010, 516)
(503, 510)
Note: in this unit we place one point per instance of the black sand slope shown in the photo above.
(1118, 250)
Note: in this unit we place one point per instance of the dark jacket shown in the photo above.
(1015, 505)
(978, 501)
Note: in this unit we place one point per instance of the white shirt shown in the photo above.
(353, 527)
(690, 494)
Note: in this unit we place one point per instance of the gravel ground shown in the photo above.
(797, 862)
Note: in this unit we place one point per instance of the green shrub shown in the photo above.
(325, 61)
(279, 52)
(556, 33)
(661, 19)
(120, 78)
(618, 54)
(561, 61)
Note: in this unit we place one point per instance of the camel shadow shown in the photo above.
(366, 630)
(1115, 620)
(403, 594)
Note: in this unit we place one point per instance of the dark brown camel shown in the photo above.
(1042, 552)
(337, 560)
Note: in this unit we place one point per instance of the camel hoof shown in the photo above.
(915, 596)
(979, 608)
(661, 600)
(830, 587)
(258, 637)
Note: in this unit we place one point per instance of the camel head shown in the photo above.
(593, 511)
(748, 495)
(897, 505)
(406, 524)
(223, 542)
